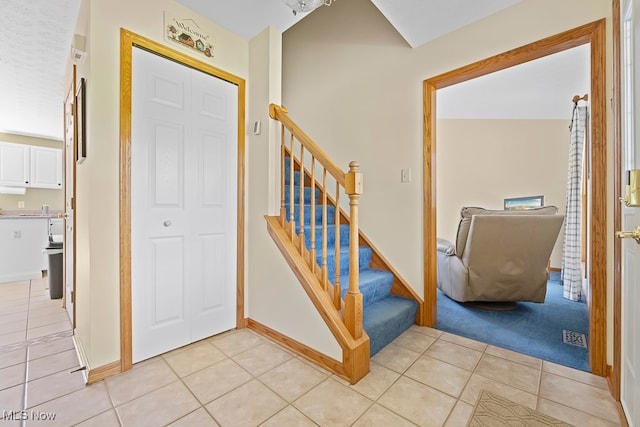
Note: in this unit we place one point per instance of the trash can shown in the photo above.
(54, 254)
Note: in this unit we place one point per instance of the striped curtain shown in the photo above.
(571, 254)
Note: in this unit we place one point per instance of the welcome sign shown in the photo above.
(188, 33)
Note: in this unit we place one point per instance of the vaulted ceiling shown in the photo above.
(37, 37)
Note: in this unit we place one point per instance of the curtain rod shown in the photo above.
(577, 98)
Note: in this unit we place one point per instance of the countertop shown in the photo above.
(26, 214)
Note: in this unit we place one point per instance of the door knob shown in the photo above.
(167, 223)
(635, 234)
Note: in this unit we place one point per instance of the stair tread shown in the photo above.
(385, 316)
(374, 284)
(387, 319)
(380, 311)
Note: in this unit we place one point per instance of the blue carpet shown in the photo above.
(532, 328)
(385, 316)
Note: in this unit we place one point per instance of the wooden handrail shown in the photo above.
(279, 113)
(349, 311)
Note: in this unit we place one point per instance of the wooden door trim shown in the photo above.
(614, 375)
(128, 41)
(593, 33)
(71, 92)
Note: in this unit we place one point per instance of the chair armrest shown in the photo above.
(452, 275)
(445, 247)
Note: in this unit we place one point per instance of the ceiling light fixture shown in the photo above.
(302, 6)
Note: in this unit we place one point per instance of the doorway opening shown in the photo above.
(592, 34)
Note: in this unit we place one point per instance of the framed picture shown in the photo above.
(81, 128)
(520, 203)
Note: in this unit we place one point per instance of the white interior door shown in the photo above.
(183, 205)
(69, 196)
(630, 369)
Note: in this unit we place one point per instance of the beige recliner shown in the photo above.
(499, 256)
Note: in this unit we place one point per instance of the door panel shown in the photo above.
(183, 203)
(211, 167)
(166, 170)
(169, 283)
(158, 225)
(630, 295)
(69, 244)
(215, 216)
(630, 387)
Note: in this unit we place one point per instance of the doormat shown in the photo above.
(493, 410)
(574, 338)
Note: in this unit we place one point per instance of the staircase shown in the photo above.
(363, 300)
(385, 316)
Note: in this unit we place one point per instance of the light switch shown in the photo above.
(17, 234)
(405, 175)
(20, 204)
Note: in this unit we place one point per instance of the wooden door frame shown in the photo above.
(615, 382)
(593, 33)
(128, 41)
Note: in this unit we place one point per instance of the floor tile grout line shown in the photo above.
(376, 401)
(581, 411)
(113, 406)
(539, 388)
(508, 385)
(574, 408)
(26, 363)
(285, 407)
(561, 374)
(23, 422)
(34, 341)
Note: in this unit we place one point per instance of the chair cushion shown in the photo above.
(466, 213)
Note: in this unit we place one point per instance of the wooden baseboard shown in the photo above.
(243, 323)
(308, 353)
(611, 381)
(557, 269)
(104, 371)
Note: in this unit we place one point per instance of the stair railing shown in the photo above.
(351, 183)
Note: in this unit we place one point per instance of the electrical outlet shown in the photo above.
(20, 204)
(405, 175)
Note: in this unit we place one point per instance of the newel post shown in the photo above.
(353, 298)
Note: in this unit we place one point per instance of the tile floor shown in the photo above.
(238, 378)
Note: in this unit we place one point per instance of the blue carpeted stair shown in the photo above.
(386, 316)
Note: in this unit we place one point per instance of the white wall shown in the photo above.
(355, 86)
(482, 162)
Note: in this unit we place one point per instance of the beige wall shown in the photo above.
(34, 198)
(482, 162)
(272, 294)
(275, 297)
(355, 87)
(98, 264)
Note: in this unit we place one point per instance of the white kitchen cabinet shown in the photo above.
(46, 167)
(15, 165)
(30, 166)
(22, 240)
